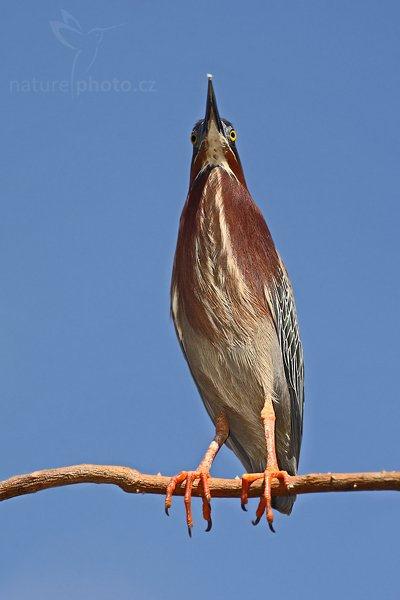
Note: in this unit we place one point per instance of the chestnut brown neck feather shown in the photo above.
(223, 244)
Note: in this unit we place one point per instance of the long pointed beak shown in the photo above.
(212, 114)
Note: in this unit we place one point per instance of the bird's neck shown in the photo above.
(224, 251)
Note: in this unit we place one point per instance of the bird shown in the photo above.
(235, 317)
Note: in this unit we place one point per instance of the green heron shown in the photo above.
(235, 318)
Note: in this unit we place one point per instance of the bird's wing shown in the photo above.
(285, 317)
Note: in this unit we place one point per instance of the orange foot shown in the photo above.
(265, 501)
(191, 476)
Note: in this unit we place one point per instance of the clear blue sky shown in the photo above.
(95, 165)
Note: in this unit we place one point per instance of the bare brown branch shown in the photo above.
(132, 481)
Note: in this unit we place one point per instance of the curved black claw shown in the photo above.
(190, 530)
(209, 525)
(256, 521)
(271, 528)
(166, 511)
(242, 504)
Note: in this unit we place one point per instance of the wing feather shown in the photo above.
(284, 313)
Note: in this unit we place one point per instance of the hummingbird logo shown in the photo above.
(85, 44)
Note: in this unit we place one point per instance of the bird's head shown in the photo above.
(214, 142)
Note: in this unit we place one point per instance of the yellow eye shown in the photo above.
(232, 135)
(193, 137)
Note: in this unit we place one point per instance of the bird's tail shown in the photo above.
(283, 504)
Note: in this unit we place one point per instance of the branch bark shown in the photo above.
(134, 482)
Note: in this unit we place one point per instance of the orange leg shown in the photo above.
(272, 470)
(202, 473)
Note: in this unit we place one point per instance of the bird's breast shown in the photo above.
(214, 285)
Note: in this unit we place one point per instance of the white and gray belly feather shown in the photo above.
(236, 379)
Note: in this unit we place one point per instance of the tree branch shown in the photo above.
(131, 481)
